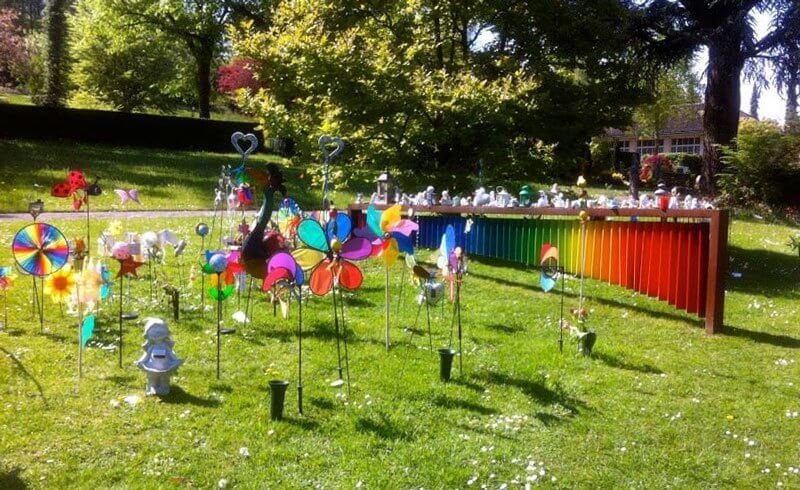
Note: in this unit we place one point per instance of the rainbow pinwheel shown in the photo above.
(329, 254)
(40, 249)
(548, 260)
(289, 217)
(6, 278)
(389, 233)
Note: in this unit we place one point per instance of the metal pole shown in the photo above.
(121, 279)
(428, 315)
(336, 326)
(219, 319)
(458, 311)
(561, 315)
(344, 337)
(387, 306)
(299, 351)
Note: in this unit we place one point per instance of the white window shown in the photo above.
(650, 147)
(625, 145)
(686, 145)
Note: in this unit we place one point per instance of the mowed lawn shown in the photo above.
(166, 179)
(660, 404)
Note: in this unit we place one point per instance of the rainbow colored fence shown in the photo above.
(679, 262)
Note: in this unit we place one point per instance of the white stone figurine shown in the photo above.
(159, 362)
(542, 202)
(445, 200)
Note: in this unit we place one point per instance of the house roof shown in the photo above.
(687, 121)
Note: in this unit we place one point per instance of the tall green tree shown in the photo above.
(57, 54)
(199, 24)
(674, 93)
(424, 84)
(677, 28)
(129, 69)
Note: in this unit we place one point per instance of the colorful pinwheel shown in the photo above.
(222, 280)
(6, 278)
(548, 260)
(283, 275)
(40, 249)
(6, 281)
(289, 217)
(389, 233)
(329, 254)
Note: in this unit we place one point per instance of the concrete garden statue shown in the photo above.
(159, 362)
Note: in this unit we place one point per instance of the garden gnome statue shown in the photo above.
(158, 361)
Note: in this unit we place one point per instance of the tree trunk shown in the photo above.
(723, 99)
(204, 56)
(56, 64)
(791, 105)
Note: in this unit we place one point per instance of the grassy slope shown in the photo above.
(166, 179)
(650, 410)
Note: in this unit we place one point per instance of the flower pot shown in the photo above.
(586, 342)
(446, 363)
(277, 397)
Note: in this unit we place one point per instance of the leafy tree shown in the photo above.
(411, 85)
(675, 91)
(236, 75)
(677, 28)
(129, 69)
(57, 56)
(13, 53)
(29, 12)
(785, 60)
(200, 25)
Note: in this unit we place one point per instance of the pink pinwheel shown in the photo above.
(329, 253)
(389, 233)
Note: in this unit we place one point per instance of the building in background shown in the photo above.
(681, 134)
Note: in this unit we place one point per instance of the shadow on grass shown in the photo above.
(11, 480)
(179, 397)
(777, 340)
(21, 367)
(470, 385)
(509, 329)
(674, 316)
(536, 391)
(616, 362)
(120, 379)
(383, 428)
(302, 422)
(323, 403)
(764, 272)
(445, 401)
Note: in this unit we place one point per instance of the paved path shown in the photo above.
(105, 214)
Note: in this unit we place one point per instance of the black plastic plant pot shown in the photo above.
(446, 363)
(277, 397)
(586, 343)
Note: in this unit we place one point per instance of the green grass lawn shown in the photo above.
(661, 404)
(221, 114)
(166, 179)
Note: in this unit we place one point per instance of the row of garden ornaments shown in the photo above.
(149, 245)
(554, 198)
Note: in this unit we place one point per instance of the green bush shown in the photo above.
(689, 160)
(763, 168)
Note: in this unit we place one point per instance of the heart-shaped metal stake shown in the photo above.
(238, 137)
(324, 142)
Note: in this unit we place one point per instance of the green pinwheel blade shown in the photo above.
(312, 234)
(207, 269)
(374, 220)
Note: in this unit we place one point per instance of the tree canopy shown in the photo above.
(429, 84)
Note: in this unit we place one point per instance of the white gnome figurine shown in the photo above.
(158, 361)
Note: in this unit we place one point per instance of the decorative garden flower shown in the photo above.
(329, 253)
(89, 283)
(59, 285)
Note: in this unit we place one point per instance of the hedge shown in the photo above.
(125, 129)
